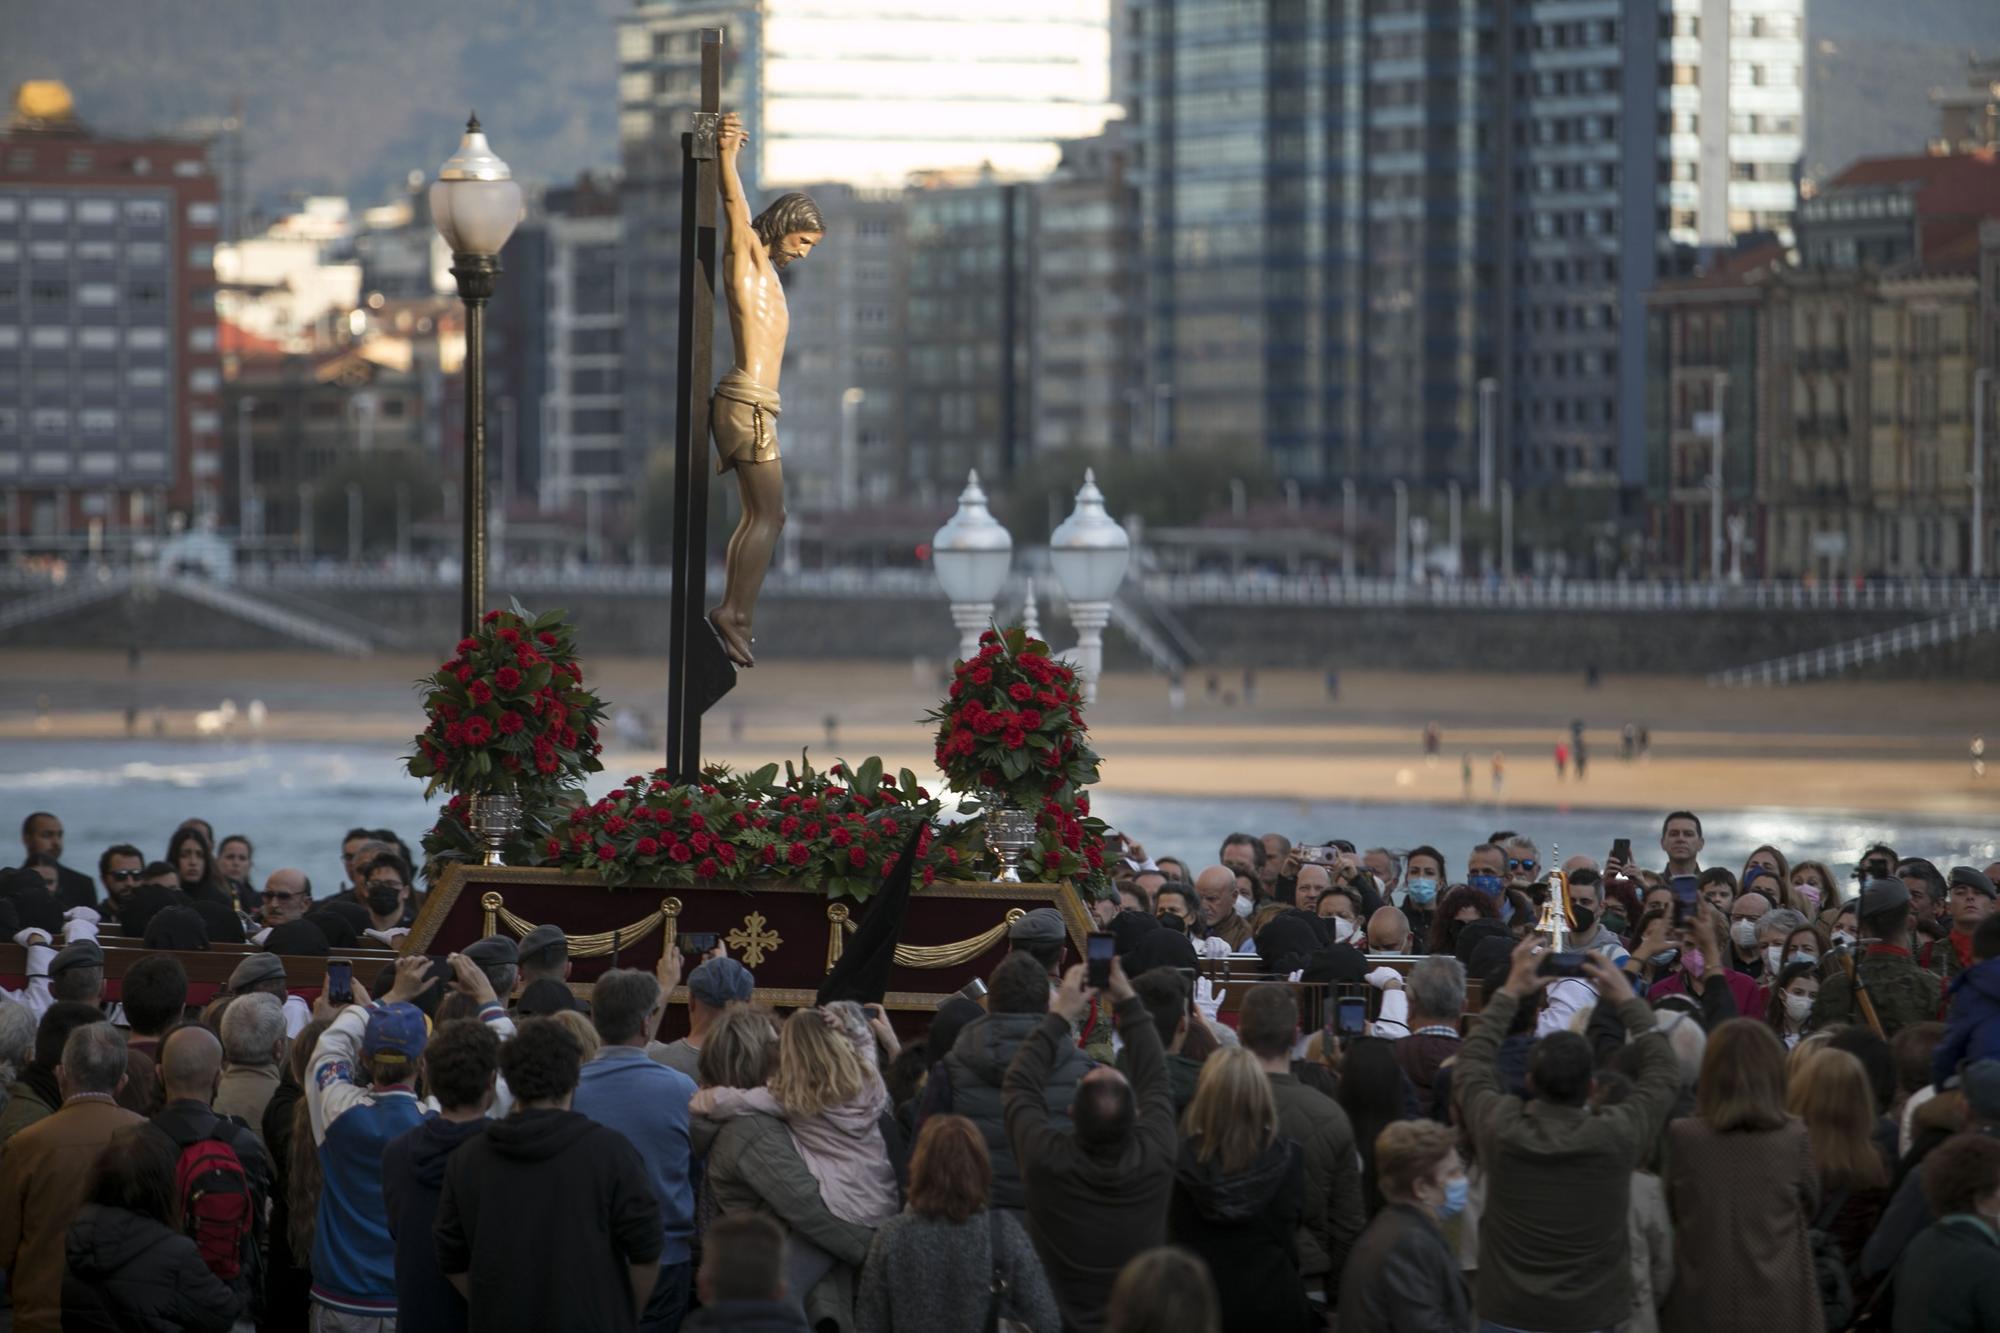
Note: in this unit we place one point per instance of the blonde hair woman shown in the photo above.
(1238, 1196)
(833, 1103)
(1832, 1095)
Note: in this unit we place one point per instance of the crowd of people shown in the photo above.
(1314, 1087)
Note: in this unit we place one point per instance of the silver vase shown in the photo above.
(1010, 831)
(496, 820)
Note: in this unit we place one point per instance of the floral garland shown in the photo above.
(842, 829)
(509, 713)
(1011, 731)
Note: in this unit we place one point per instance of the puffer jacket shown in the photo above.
(976, 1066)
(125, 1272)
(753, 1166)
(1972, 1028)
(1243, 1225)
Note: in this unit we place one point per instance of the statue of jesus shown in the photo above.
(743, 413)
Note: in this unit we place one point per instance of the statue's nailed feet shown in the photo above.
(733, 629)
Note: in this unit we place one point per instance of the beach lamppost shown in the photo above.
(1090, 552)
(972, 554)
(476, 205)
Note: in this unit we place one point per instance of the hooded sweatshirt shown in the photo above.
(1972, 1028)
(1244, 1225)
(546, 1213)
(412, 1181)
(127, 1272)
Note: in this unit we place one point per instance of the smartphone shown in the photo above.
(1621, 851)
(973, 990)
(1686, 898)
(1098, 950)
(1565, 964)
(339, 981)
(1350, 1017)
(699, 942)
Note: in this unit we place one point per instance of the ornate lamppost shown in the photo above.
(1090, 553)
(476, 205)
(972, 554)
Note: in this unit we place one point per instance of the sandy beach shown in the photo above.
(1857, 747)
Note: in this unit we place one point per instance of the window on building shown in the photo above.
(203, 213)
(96, 212)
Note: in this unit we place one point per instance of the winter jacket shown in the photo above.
(44, 1175)
(752, 1165)
(1949, 1279)
(1244, 1226)
(1089, 1212)
(648, 1104)
(1555, 1241)
(186, 1123)
(927, 1275)
(1403, 1275)
(1332, 1218)
(412, 1182)
(594, 1218)
(977, 1064)
(843, 1146)
(130, 1274)
(1972, 1031)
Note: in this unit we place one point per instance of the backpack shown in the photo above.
(216, 1205)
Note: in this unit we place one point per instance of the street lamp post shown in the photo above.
(1716, 426)
(850, 413)
(972, 554)
(476, 204)
(1981, 385)
(1507, 531)
(1090, 552)
(244, 406)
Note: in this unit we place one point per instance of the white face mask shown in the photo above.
(1343, 930)
(1843, 939)
(1772, 958)
(1242, 906)
(1797, 1007)
(1744, 932)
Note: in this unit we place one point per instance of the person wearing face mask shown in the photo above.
(1421, 884)
(1773, 929)
(385, 889)
(1792, 1001)
(1403, 1273)
(1341, 909)
(1486, 871)
(1216, 887)
(1699, 961)
(1846, 932)
(1814, 891)
(1744, 912)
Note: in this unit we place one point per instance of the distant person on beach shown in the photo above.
(1499, 771)
(1562, 760)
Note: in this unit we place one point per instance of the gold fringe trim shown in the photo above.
(927, 956)
(598, 945)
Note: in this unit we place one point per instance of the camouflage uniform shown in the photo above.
(1903, 993)
(1940, 958)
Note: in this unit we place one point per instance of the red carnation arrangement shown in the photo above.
(509, 712)
(840, 830)
(1012, 731)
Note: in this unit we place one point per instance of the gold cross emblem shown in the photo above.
(752, 940)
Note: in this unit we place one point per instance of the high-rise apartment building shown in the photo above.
(859, 94)
(582, 430)
(110, 383)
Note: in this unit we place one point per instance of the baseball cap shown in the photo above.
(720, 981)
(395, 1029)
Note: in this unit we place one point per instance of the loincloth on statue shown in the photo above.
(743, 419)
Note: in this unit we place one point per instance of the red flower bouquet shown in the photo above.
(1012, 732)
(509, 712)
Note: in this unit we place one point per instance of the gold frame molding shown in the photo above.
(441, 899)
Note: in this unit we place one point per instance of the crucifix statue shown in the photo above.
(743, 414)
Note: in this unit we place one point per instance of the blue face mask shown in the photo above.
(1489, 885)
(1455, 1195)
(1423, 892)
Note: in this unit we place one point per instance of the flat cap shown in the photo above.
(492, 951)
(1044, 925)
(543, 937)
(720, 981)
(255, 970)
(79, 953)
(1883, 895)
(1971, 878)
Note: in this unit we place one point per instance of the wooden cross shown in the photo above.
(698, 672)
